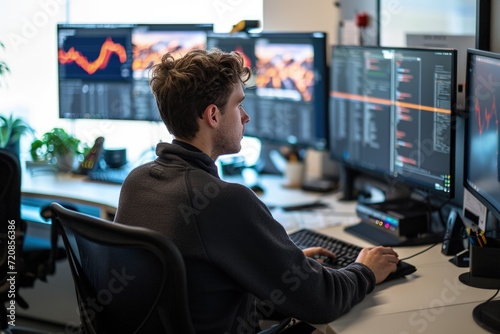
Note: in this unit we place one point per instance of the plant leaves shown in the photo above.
(11, 129)
(5, 132)
(56, 142)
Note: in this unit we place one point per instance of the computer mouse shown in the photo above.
(403, 269)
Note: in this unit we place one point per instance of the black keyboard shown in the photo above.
(116, 176)
(346, 252)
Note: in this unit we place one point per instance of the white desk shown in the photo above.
(437, 320)
(72, 188)
(431, 300)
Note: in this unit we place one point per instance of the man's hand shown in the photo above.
(381, 260)
(313, 252)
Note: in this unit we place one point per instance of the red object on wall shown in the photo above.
(362, 19)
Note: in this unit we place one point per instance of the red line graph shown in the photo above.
(487, 115)
(107, 49)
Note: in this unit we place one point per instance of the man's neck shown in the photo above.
(196, 144)
(186, 145)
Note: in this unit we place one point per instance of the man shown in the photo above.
(235, 252)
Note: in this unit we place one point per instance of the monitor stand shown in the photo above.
(347, 180)
(487, 314)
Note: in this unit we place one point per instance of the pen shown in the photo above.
(481, 237)
(472, 237)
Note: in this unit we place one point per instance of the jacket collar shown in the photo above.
(169, 153)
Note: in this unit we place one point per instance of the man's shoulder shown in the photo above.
(212, 183)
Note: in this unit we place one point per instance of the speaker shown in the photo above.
(115, 158)
(453, 235)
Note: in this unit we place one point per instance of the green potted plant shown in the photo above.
(58, 148)
(11, 130)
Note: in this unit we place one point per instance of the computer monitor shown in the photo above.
(482, 164)
(103, 68)
(285, 110)
(288, 98)
(392, 115)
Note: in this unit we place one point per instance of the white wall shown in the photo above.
(399, 17)
(300, 15)
(28, 30)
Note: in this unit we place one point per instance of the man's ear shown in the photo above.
(211, 115)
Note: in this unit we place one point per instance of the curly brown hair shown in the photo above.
(184, 87)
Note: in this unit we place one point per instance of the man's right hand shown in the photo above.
(381, 260)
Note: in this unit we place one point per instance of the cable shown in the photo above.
(427, 249)
(492, 297)
(421, 252)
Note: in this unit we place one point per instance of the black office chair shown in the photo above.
(130, 279)
(30, 258)
(127, 279)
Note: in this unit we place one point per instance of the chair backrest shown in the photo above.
(10, 221)
(127, 279)
(10, 180)
(10, 193)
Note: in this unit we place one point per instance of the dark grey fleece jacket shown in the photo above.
(235, 252)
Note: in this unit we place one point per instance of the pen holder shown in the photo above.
(484, 268)
(484, 261)
(294, 174)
